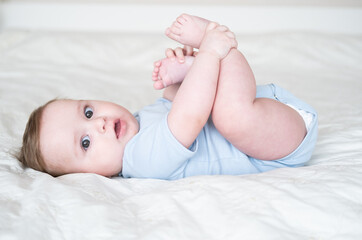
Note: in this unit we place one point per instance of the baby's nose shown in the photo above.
(101, 124)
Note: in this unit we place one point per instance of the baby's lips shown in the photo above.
(117, 127)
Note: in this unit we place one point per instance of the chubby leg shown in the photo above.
(260, 127)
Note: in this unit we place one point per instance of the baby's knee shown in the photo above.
(231, 123)
(223, 123)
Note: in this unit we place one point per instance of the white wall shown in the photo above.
(243, 17)
(330, 3)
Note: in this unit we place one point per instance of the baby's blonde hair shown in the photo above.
(30, 154)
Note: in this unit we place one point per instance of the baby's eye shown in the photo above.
(85, 142)
(88, 112)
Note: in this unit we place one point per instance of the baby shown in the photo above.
(212, 119)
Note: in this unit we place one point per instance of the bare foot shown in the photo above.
(188, 30)
(169, 71)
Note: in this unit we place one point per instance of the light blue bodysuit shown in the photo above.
(155, 153)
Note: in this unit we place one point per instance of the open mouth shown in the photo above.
(117, 128)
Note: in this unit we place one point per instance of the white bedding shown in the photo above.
(320, 201)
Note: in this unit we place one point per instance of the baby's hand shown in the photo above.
(218, 40)
(180, 53)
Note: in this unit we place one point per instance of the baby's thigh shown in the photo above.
(229, 116)
(264, 133)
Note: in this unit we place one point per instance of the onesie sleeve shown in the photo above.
(155, 153)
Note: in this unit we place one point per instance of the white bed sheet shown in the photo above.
(320, 201)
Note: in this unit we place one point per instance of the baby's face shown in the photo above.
(85, 136)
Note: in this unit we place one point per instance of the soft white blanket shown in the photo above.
(320, 201)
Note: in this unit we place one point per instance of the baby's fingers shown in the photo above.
(170, 53)
(188, 50)
(180, 54)
(230, 34)
(234, 43)
(222, 28)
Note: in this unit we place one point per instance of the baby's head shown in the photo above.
(74, 136)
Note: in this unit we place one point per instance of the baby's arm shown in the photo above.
(194, 99)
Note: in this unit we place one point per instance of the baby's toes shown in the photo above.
(156, 69)
(157, 63)
(155, 73)
(183, 18)
(177, 25)
(176, 29)
(172, 35)
(155, 77)
(158, 85)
